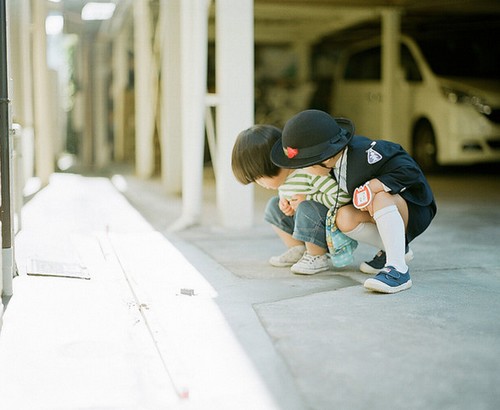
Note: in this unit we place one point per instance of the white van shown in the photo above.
(448, 98)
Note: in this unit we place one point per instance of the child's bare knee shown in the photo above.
(344, 218)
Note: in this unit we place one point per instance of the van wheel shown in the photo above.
(424, 147)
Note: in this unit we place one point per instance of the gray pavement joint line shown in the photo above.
(285, 360)
(304, 294)
(453, 268)
(181, 390)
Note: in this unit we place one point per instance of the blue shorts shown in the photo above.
(307, 225)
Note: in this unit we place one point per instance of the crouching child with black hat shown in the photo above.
(392, 200)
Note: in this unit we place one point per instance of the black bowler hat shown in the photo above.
(311, 137)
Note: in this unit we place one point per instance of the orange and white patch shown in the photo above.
(362, 196)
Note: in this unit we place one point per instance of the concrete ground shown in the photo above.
(198, 319)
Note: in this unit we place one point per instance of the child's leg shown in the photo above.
(367, 232)
(348, 218)
(313, 249)
(310, 227)
(287, 238)
(306, 226)
(391, 217)
(283, 226)
(359, 226)
(385, 231)
(391, 228)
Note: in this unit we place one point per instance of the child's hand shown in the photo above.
(296, 200)
(285, 207)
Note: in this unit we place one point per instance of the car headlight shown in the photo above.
(462, 97)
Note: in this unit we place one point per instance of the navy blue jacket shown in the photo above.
(389, 163)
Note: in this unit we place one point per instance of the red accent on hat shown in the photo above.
(291, 152)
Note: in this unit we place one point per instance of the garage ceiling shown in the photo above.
(284, 20)
(312, 19)
(465, 6)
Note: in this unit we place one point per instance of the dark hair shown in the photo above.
(251, 157)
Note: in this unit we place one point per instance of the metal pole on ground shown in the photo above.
(5, 158)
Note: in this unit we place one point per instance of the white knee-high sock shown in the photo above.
(392, 231)
(366, 232)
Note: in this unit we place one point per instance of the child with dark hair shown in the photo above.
(304, 199)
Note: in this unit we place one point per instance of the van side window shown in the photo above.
(412, 73)
(364, 65)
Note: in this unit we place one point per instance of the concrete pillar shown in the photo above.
(26, 84)
(145, 92)
(120, 80)
(15, 59)
(391, 22)
(43, 125)
(78, 112)
(235, 88)
(171, 92)
(86, 112)
(100, 73)
(194, 46)
(22, 84)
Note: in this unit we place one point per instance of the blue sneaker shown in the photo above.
(378, 262)
(389, 280)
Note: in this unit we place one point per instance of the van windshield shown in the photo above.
(476, 57)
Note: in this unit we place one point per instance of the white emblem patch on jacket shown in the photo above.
(373, 156)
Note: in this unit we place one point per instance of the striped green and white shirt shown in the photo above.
(322, 189)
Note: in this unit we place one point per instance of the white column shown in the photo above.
(26, 105)
(144, 90)
(171, 110)
(100, 98)
(19, 15)
(391, 21)
(14, 36)
(84, 103)
(43, 125)
(235, 88)
(194, 45)
(120, 79)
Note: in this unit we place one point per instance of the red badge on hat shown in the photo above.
(362, 196)
(291, 152)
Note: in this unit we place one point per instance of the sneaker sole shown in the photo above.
(365, 268)
(378, 286)
(282, 264)
(312, 272)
